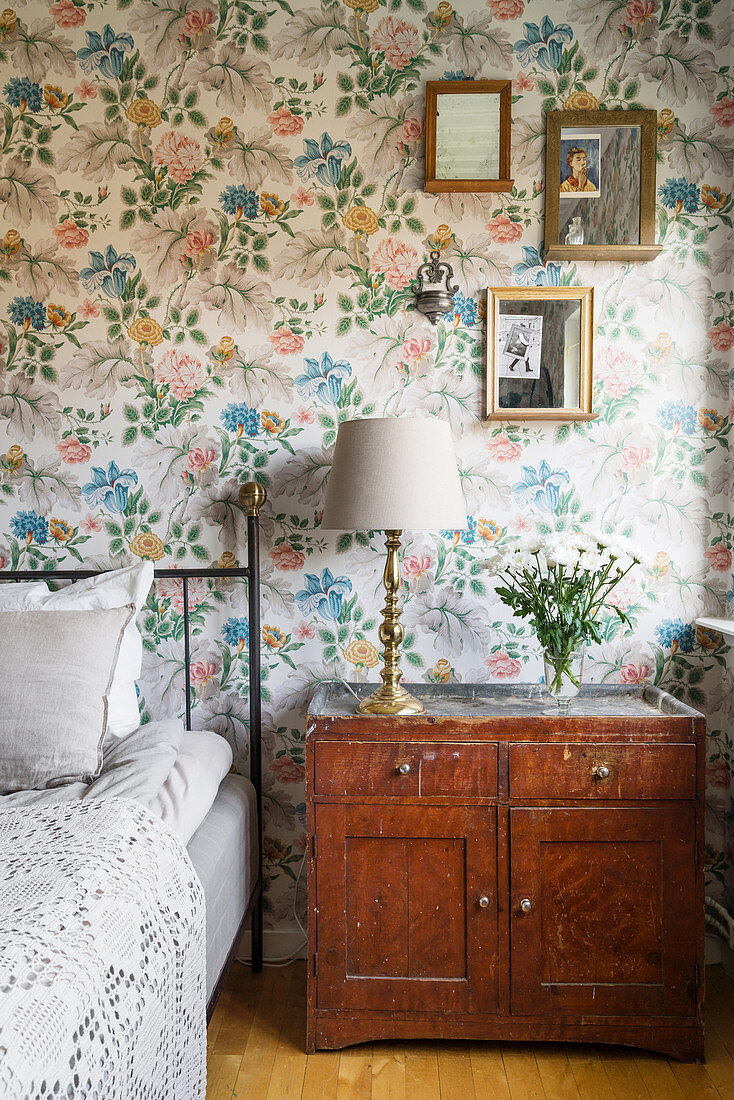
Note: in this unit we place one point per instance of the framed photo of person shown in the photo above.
(600, 185)
(468, 135)
(540, 352)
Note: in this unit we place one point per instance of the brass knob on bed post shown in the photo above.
(252, 497)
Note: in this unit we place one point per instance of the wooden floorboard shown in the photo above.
(256, 1051)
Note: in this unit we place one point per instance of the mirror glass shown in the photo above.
(468, 136)
(600, 172)
(538, 355)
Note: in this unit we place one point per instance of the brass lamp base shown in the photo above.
(387, 701)
(391, 698)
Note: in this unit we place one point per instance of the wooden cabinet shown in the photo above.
(489, 870)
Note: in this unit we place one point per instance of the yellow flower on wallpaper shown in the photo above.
(14, 457)
(11, 242)
(271, 422)
(361, 219)
(146, 332)
(581, 100)
(60, 529)
(147, 545)
(271, 204)
(58, 316)
(8, 21)
(272, 637)
(144, 112)
(361, 654)
(55, 96)
(225, 349)
(363, 5)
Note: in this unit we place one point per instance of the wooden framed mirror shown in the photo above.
(600, 185)
(468, 135)
(540, 353)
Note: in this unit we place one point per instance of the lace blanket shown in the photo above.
(102, 956)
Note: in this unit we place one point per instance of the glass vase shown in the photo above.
(575, 233)
(563, 673)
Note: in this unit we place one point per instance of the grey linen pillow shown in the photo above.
(56, 670)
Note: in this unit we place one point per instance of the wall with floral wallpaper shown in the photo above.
(211, 214)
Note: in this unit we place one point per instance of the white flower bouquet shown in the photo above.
(561, 584)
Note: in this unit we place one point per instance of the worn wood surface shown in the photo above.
(445, 1071)
(435, 768)
(580, 771)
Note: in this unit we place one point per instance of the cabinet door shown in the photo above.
(608, 924)
(400, 926)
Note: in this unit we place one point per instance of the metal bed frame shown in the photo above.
(252, 497)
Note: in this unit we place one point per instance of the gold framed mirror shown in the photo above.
(600, 185)
(468, 135)
(540, 353)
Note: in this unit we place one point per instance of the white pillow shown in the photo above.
(186, 796)
(21, 595)
(58, 668)
(117, 588)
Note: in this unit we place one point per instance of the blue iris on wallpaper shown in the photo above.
(105, 51)
(543, 45)
(108, 272)
(20, 89)
(534, 271)
(322, 160)
(323, 595)
(675, 632)
(109, 488)
(323, 380)
(678, 416)
(540, 488)
(236, 632)
(30, 526)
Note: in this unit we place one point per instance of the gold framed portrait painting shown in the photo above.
(600, 185)
(540, 353)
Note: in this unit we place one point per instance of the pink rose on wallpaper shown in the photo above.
(171, 590)
(302, 197)
(201, 673)
(413, 130)
(86, 90)
(71, 450)
(523, 83)
(199, 459)
(723, 112)
(70, 235)
(506, 9)
(624, 595)
(398, 40)
(305, 631)
(305, 416)
(287, 770)
(286, 342)
(504, 449)
(182, 156)
(634, 458)
(618, 371)
(414, 567)
(396, 261)
(286, 558)
(284, 122)
(181, 373)
(414, 351)
(632, 673)
(719, 557)
(197, 21)
(717, 775)
(89, 309)
(721, 336)
(637, 11)
(67, 14)
(92, 524)
(502, 666)
(198, 242)
(502, 230)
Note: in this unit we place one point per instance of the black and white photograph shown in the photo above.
(519, 343)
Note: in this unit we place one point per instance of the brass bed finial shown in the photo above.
(252, 497)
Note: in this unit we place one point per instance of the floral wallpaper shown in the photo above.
(212, 213)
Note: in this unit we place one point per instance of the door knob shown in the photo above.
(484, 902)
(404, 769)
(526, 905)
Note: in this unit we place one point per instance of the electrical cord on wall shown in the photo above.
(285, 960)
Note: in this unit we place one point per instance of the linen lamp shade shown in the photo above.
(394, 474)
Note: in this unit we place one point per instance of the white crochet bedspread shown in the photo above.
(102, 956)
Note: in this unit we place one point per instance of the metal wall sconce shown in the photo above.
(434, 289)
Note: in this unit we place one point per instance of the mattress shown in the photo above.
(223, 851)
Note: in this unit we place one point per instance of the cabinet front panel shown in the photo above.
(415, 769)
(602, 771)
(603, 911)
(399, 923)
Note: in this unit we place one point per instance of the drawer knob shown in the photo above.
(484, 902)
(526, 905)
(404, 769)
(600, 771)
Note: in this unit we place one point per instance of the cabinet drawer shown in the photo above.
(429, 768)
(602, 771)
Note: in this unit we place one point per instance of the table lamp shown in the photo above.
(393, 474)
